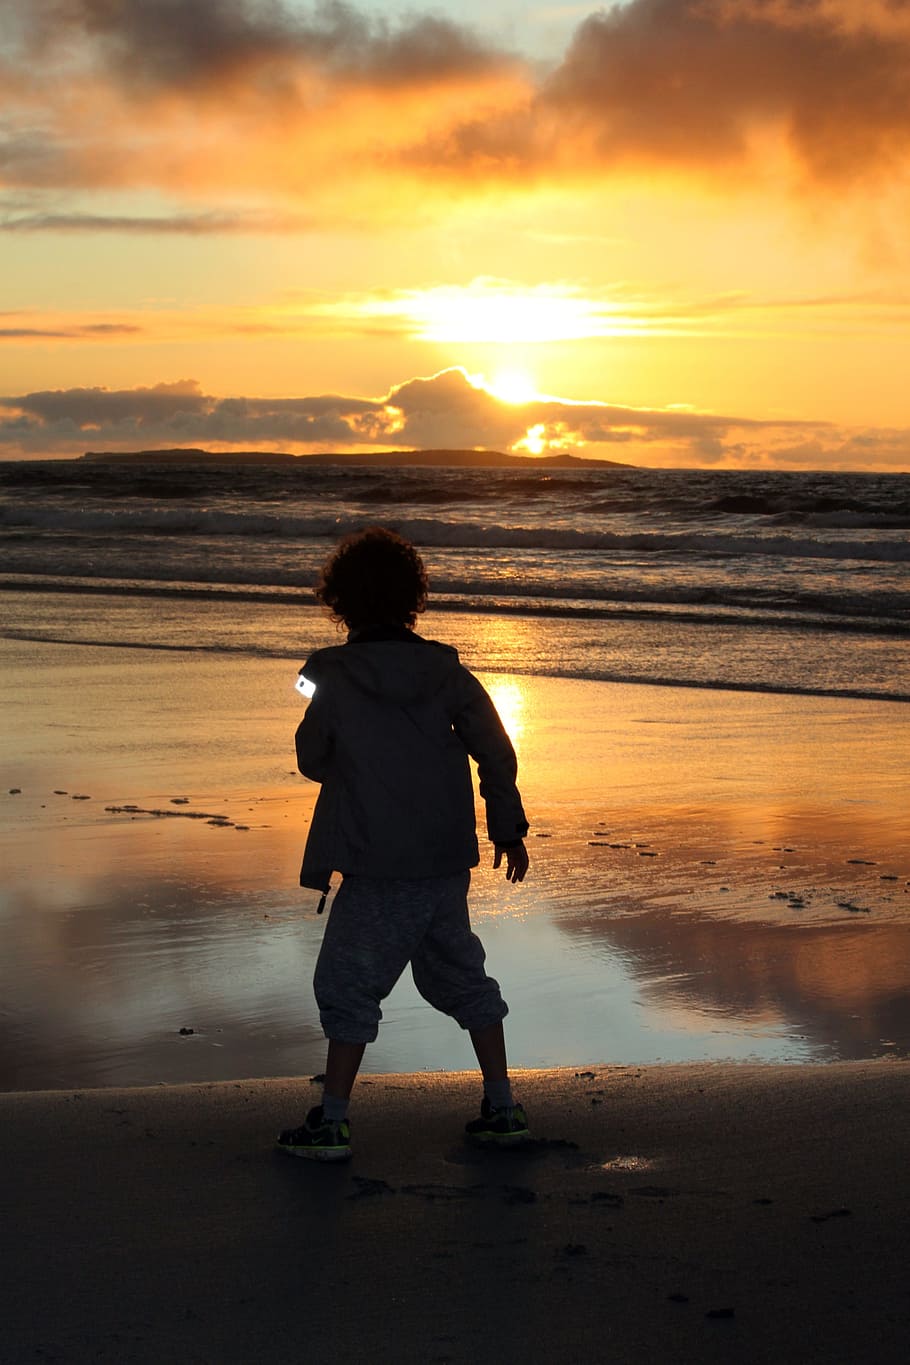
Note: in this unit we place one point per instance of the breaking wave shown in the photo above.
(118, 522)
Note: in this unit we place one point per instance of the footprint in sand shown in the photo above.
(518, 1194)
(369, 1185)
(654, 1192)
(834, 1213)
(445, 1192)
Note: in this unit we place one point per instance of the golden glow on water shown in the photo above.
(510, 701)
(669, 828)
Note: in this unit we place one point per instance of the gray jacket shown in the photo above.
(388, 733)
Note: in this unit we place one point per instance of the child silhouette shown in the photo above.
(391, 722)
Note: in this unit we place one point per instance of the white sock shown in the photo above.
(499, 1093)
(334, 1109)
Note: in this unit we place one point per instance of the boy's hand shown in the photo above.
(516, 861)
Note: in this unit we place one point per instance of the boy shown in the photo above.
(391, 722)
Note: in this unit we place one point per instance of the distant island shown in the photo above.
(389, 459)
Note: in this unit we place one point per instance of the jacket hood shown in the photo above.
(403, 669)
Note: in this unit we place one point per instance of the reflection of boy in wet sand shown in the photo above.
(392, 720)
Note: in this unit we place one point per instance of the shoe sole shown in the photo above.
(316, 1153)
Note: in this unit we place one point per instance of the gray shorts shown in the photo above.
(375, 928)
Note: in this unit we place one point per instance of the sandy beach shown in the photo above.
(667, 1214)
(718, 880)
(719, 884)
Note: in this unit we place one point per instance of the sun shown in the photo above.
(512, 386)
(497, 313)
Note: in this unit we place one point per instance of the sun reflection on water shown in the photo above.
(509, 700)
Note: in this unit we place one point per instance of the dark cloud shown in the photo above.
(689, 81)
(441, 411)
(447, 410)
(66, 421)
(99, 406)
(298, 101)
(178, 224)
(26, 154)
(205, 44)
(219, 95)
(698, 84)
(97, 331)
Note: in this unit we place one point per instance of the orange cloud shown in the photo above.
(228, 95)
(13, 330)
(349, 112)
(713, 87)
(22, 217)
(690, 82)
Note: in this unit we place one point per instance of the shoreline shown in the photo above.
(612, 679)
(698, 1213)
(868, 666)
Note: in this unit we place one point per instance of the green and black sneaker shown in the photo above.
(504, 1127)
(318, 1138)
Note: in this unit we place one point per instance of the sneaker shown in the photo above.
(318, 1138)
(502, 1126)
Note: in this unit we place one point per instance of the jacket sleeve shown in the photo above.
(477, 725)
(314, 739)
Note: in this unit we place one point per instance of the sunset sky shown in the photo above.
(673, 232)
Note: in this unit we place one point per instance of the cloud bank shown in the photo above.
(696, 81)
(446, 410)
(329, 107)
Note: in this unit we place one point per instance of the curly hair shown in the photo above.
(373, 577)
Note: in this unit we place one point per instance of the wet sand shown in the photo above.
(688, 1214)
(714, 875)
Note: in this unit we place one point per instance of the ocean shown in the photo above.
(765, 581)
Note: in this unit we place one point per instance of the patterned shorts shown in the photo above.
(375, 928)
